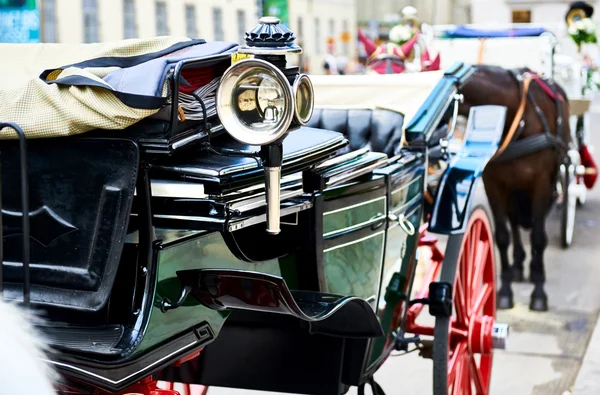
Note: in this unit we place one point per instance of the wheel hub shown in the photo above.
(480, 335)
(500, 336)
(484, 335)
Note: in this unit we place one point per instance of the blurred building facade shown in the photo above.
(321, 26)
(80, 21)
(523, 11)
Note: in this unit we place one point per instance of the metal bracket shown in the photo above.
(166, 304)
(439, 300)
(401, 343)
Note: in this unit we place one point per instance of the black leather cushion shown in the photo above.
(81, 191)
(380, 129)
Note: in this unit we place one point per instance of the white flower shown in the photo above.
(400, 33)
(588, 25)
(572, 29)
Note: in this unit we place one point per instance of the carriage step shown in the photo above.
(500, 336)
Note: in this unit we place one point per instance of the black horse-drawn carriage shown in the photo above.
(264, 245)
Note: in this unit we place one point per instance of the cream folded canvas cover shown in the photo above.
(54, 90)
(403, 93)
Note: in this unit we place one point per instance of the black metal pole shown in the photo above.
(1, 243)
(24, 207)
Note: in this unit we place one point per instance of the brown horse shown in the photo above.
(522, 188)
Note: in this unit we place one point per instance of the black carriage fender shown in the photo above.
(456, 191)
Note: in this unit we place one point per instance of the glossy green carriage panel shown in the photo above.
(354, 268)
(406, 194)
(354, 216)
(200, 251)
(354, 238)
(400, 258)
(400, 261)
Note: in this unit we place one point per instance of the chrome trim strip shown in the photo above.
(200, 171)
(259, 200)
(196, 136)
(348, 176)
(406, 204)
(240, 223)
(188, 218)
(354, 205)
(263, 217)
(88, 373)
(177, 189)
(406, 185)
(285, 181)
(342, 158)
(290, 158)
(355, 241)
(357, 226)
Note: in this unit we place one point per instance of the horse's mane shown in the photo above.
(22, 349)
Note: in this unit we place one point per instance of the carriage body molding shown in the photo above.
(152, 250)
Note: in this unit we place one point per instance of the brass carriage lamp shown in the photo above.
(261, 99)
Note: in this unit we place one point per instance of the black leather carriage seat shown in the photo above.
(379, 129)
(80, 196)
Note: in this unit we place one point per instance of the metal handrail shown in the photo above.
(25, 218)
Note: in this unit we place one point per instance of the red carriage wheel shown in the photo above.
(464, 342)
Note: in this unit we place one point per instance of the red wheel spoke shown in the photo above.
(484, 296)
(456, 359)
(459, 334)
(460, 302)
(458, 377)
(467, 377)
(470, 257)
(463, 277)
(477, 378)
(480, 261)
(469, 364)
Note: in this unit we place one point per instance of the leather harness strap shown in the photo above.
(512, 147)
(518, 117)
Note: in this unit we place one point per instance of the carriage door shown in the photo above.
(354, 235)
(405, 210)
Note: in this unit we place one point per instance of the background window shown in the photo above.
(50, 21)
(332, 28)
(317, 36)
(521, 16)
(190, 21)
(241, 23)
(300, 29)
(162, 28)
(90, 21)
(218, 24)
(129, 22)
(346, 38)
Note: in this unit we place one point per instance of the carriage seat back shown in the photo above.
(379, 129)
(80, 197)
